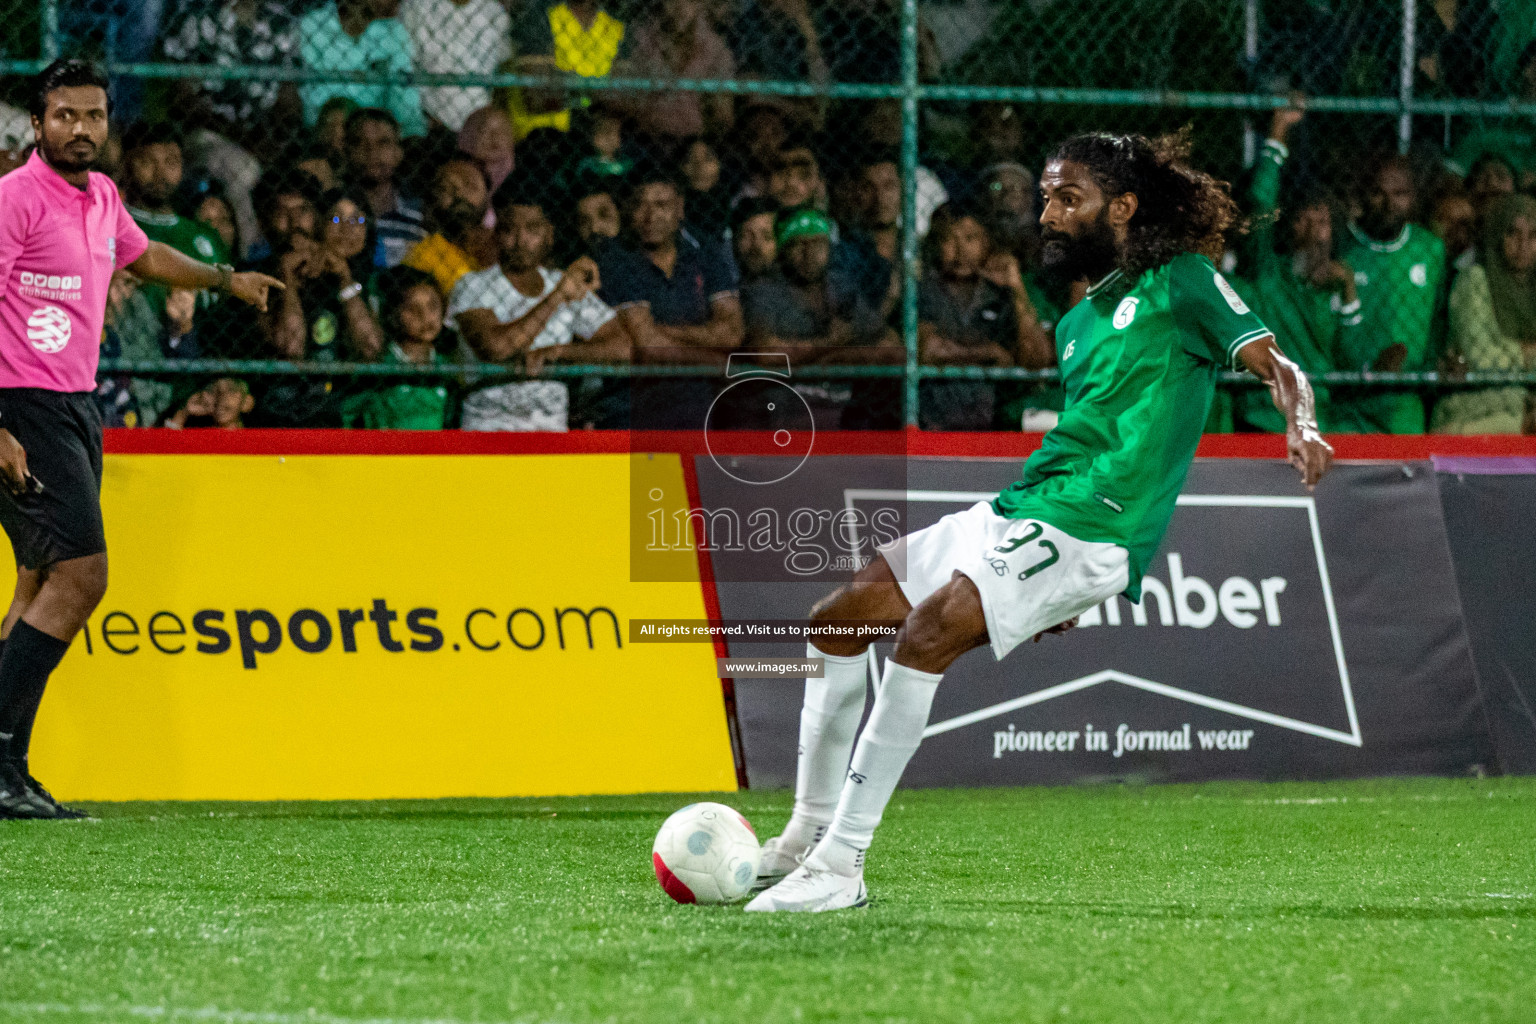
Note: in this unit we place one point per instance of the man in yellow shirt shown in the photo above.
(459, 242)
(577, 37)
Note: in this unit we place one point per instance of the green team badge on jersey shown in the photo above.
(1126, 312)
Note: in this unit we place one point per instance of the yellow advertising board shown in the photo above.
(371, 626)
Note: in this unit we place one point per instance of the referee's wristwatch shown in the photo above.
(226, 276)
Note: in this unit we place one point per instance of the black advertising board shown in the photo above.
(1488, 515)
(1280, 635)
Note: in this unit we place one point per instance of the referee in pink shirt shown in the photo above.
(63, 231)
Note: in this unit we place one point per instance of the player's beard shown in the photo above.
(75, 155)
(1088, 256)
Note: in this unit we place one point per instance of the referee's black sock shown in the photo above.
(27, 659)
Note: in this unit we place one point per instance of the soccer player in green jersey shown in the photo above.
(1139, 359)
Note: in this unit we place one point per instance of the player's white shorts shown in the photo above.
(1031, 575)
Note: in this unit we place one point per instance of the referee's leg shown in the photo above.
(49, 607)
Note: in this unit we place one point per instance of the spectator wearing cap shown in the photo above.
(521, 312)
(361, 35)
(815, 315)
(753, 241)
(457, 37)
(411, 316)
(578, 37)
(676, 295)
(373, 166)
(1493, 325)
(1005, 196)
(459, 242)
(972, 310)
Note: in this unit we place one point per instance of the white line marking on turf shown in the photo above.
(210, 1013)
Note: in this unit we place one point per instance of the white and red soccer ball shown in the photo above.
(706, 853)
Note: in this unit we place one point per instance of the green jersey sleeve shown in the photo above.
(1213, 320)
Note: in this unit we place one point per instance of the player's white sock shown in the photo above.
(890, 739)
(829, 719)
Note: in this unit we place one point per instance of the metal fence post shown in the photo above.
(909, 268)
(1405, 74)
(50, 31)
(1251, 65)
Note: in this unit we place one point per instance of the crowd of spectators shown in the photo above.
(449, 225)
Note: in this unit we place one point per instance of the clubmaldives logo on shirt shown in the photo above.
(48, 328)
(62, 287)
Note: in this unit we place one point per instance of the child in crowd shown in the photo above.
(411, 313)
(222, 405)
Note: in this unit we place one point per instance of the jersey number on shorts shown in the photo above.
(1032, 532)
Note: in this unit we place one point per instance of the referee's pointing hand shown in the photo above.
(252, 288)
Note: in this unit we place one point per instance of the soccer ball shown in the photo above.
(706, 853)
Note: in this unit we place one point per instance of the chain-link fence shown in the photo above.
(510, 214)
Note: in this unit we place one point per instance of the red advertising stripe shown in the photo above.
(912, 442)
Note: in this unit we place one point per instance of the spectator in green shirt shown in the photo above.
(411, 311)
(1306, 295)
(152, 173)
(1400, 274)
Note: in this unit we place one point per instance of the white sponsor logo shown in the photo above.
(48, 328)
(53, 282)
(1419, 274)
(1126, 312)
(1230, 294)
(1071, 345)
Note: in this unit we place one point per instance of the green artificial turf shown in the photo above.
(1410, 900)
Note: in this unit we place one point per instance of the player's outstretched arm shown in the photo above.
(1292, 395)
(164, 265)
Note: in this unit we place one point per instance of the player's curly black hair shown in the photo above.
(1179, 209)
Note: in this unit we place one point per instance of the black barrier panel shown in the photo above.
(1280, 635)
(1489, 522)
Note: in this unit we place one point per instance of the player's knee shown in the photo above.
(939, 630)
(83, 580)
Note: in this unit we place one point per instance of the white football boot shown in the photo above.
(812, 890)
(778, 860)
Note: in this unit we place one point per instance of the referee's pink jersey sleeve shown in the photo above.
(131, 239)
(18, 209)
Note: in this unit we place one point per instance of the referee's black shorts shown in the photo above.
(61, 432)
